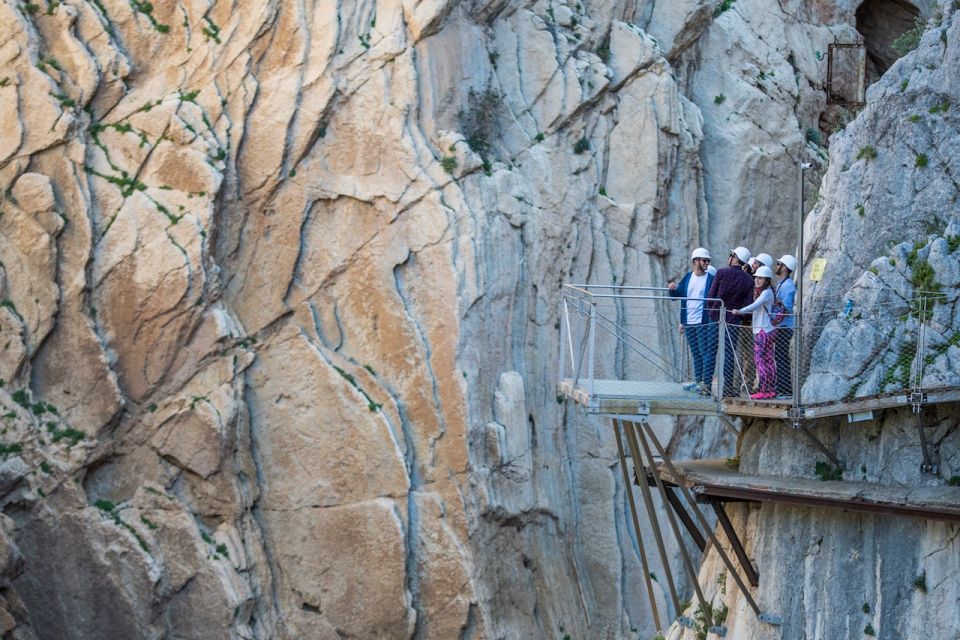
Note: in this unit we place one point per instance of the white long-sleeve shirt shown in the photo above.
(761, 311)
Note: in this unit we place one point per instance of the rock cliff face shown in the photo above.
(279, 293)
(891, 185)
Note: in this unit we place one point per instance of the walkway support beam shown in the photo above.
(703, 520)
(636, 528)
(688, 563)
(652, 516)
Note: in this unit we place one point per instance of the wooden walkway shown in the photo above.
(629, 397)
(712, 480)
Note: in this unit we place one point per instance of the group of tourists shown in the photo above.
(745, 288)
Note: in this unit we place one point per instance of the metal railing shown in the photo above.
(873, 343)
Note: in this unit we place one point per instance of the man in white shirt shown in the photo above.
(695, 323)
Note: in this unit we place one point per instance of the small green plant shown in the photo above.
(581, 145)
(915, 117)
(904, 84)
(152, 407)
(732, 463)
(538, 137)
(920, 582)
(723, 6)
(860, 210)
(922, 161)
(105, 505)
(826, 471)
(942, 107)
(478, 122)
(71, 435)
(211, 31)
(813, 135)
(4, 81)
(868, 630)
(31, 8)
(868, 152)
(603, 51)
(146, 8)
(65, 101)
(909, 40)
(954, 481)
(150, 523)
(866, 607)
(719, 99)
(21, 397)
(449, 163)
(10, 449)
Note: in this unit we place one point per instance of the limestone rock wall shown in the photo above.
(280, 286)
(832, 574)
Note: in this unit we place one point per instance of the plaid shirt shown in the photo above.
(734, 286)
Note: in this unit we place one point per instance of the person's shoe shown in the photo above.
(691, 386)
(758, 396)
(703, 389)
(768, 395)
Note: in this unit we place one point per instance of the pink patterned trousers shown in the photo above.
(763, 357)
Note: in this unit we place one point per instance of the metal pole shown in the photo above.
(636, 526)
(721, 355)
(593, 341)
(631, 431)
(798, 300)
(744, 590)
(564, 330)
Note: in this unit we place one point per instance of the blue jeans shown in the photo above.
(702, 339)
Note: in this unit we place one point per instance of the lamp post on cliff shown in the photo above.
(798, 304)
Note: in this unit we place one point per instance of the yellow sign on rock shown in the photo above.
(817, 267)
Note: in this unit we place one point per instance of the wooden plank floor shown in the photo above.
(712, 479)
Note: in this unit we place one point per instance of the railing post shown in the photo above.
(564, 330)
(721, 352)
(592, 346)
(917, 369)
(577, 362)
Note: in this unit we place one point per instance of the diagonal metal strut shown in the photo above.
(636, 528)
(703, 521)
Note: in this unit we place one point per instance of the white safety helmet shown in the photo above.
(742, 253)
(712, 270)
(789, 262)
(765, 259)
(700, 252)
(763, 271)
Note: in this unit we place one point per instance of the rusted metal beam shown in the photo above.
(709, 492)
(636, 528)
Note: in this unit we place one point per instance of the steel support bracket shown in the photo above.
(720, 631)
(770, 618)
(796, 415)
(917, 399)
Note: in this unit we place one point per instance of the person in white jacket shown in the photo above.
(763, 343)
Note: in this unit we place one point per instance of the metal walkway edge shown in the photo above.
(622, 397)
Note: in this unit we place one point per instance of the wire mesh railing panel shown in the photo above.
(638, 336)
(877, 342)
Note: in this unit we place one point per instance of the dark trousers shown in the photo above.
(782, 339)
(737, 339)
(702, 339)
